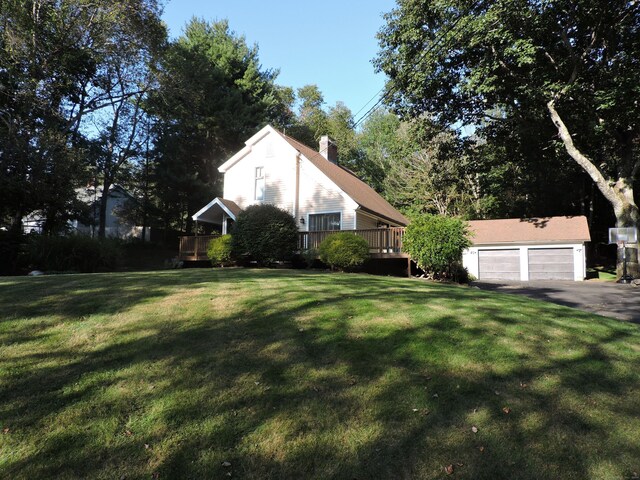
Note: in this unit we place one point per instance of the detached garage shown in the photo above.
(551, 248)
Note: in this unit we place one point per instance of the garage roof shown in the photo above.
(530, 230)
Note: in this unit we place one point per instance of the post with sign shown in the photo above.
(622, 236)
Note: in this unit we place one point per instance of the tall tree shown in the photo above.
(51, 56)
(310, 123)
(571, 64)
(124, 79)
(212, 96)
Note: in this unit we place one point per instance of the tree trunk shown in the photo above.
(619, 193)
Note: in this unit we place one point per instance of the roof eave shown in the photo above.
(530, 242)
(384, 217)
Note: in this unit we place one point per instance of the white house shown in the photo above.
(551, 248)
(321, 195)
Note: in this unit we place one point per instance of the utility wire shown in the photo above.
(422, 56)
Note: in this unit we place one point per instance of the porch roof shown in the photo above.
(215, 210)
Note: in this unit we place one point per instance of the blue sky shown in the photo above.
(329, 43)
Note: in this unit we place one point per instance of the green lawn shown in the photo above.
(293, 374)
(603, 272)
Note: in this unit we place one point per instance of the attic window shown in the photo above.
(259, 194)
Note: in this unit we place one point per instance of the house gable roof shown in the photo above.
(366, 197)
(229, 207)
(530, 230)
(361, 193)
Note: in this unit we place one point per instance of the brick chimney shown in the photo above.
(329, 149)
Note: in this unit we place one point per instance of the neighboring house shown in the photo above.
(551, 248)
(115, 225)
(276, 169)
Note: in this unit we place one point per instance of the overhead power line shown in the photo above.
(391, 91)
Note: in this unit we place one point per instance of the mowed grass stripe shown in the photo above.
(293, 374)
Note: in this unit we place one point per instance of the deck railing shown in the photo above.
(380, 240)
(195, 247)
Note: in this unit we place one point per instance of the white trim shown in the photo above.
(524, 263)
(263, 177)
(213, 202)
(249, 146)
(235, 159)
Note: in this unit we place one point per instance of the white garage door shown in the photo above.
(551, 264)
(499, 264)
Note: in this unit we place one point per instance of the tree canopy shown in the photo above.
(563, 73)
(212, 95)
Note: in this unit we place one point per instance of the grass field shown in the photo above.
(273, 374)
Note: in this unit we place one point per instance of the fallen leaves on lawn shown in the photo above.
(226, 464)
(474, 429)
(449, 469)
(506, 410)
(128, 433)
(481, 448)
(6, 430)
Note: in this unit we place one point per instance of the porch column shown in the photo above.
(196, 242)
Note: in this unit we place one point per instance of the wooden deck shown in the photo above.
(194, 248)
(383, 243)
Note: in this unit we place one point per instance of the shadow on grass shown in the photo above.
(303, 375)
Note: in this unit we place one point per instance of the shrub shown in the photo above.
(219, 250)
(73, 253)
(11, 252)
(345, 251)
(435, 243)
(264, 233)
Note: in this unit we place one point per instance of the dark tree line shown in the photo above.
(93, 93)
(551, 87)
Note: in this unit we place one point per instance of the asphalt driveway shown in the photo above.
(604, 298)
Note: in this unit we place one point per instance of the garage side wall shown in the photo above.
(471, 259)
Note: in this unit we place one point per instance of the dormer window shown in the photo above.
(259, 195)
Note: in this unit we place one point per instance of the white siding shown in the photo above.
(278, 160)
(318, 194)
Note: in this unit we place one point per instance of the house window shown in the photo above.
(259, 183)
(269, 152)
(324, 221)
